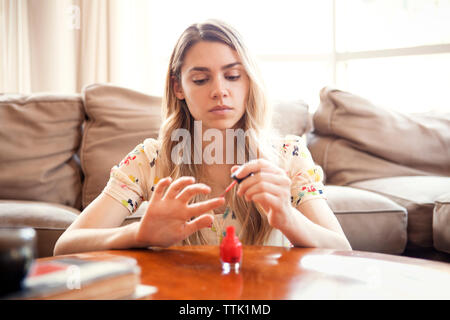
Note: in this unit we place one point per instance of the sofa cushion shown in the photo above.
(291, 117)
(417, 195)
(370, 221)
(353, 134)
(441, 223)
(344, 164)
(39, 137)
(48, 219)
(118, 120)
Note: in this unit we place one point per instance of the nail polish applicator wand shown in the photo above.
(235, 180)
(231, 247)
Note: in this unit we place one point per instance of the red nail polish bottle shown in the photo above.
(230, 251)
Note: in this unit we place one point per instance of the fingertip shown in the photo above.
(204, 189)
(162, 181)
(211, 220)
(188, 179)
(217, 201)
(165, 181)
(238, 173)
(205, 221)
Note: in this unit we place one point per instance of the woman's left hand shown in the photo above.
(269, 186)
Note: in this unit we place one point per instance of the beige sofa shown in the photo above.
(387, 175)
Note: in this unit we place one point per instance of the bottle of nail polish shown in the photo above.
(230, 252)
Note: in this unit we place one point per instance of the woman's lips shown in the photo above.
(220, 110)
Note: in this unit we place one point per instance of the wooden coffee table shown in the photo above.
(277, 273)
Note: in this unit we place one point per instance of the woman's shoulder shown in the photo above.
(293, 153)
(294, 139)
(147, 150)
(151, 146)
(289, 144)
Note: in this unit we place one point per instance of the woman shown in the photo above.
(211, 86)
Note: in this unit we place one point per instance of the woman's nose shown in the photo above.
(219, 89)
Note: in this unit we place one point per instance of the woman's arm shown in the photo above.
(312, 224)
(98, 228)
(168, 220)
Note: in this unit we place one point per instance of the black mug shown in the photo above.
(17, 250)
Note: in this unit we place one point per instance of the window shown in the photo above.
(363, 25)
(393, 52)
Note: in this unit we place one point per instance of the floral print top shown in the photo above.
(132, 182)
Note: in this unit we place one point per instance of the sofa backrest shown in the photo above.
(118, 119)
(356, 140)
(39, 137)
(61, 148)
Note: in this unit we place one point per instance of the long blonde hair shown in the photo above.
(257, 118)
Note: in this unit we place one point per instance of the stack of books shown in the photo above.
(74, 277)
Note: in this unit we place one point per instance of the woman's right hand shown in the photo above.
(169, 218)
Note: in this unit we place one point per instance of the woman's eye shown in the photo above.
(200, 81)
(233, 78)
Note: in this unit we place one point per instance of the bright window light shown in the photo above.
(407, 84)
(271, 30)
(302, 46)
(383, 24)
(409, 43)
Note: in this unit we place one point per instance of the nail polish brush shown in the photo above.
(235, 180)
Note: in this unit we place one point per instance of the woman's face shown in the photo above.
(214, 84)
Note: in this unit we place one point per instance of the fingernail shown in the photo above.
(238, 171)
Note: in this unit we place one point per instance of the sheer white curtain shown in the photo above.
(15, 69)
(63, 45)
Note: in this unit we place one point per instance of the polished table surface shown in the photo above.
(194, 272)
